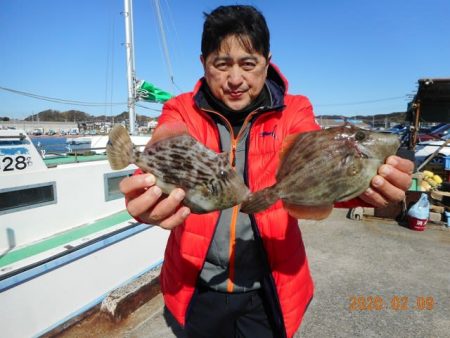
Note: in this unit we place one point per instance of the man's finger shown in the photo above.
(397, 178)
(140, 205)
(176, 219)
(387, 190)
(138, 182)
(166, 207)
(374, 198)
(401, 164)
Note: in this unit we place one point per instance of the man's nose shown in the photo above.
(235, 76)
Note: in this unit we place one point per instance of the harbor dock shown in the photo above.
(373, 278)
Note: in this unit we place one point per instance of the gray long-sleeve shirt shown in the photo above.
(248, 264)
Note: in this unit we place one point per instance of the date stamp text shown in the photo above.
(395, 303)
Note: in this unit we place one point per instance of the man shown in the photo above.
(228, 274)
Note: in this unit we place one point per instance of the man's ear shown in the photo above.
(269, 57)
(202, 60)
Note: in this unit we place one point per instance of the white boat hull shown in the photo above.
(61, 257)
(37, 306)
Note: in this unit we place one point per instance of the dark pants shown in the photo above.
(222, 315)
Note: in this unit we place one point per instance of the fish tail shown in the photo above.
(119, 148)
(260, 200)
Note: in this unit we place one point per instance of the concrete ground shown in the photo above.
(351, 259)
(373, 278)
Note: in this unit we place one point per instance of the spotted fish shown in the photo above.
(177, 160)
(321, 167)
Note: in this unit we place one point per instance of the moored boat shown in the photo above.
(66, 239)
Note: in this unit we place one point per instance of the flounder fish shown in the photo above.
(177, 160)
(321, 167)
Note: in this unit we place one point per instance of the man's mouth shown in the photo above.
(235, 94)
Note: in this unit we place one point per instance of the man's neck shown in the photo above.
(236, 117)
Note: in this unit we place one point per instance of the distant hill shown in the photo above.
(396, 117)
(57, 116)
(79, 116)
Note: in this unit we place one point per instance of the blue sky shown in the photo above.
(349, 56)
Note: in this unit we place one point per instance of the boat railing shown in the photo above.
(21, 137)
(78, 154)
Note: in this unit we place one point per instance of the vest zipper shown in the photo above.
(235, 214)
(233, 152)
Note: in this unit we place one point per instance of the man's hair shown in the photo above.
(246, 23)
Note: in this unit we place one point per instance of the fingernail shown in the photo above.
(392, 161)
(179, 195)
(185, 212)
(156, 191)
(385, 170)
(368, 192)
(377, 181)
(150, 180)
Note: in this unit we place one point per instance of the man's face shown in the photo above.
(234, 75)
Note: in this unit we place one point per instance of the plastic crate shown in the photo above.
(414, 184)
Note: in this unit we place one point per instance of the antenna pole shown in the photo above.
(131, 74)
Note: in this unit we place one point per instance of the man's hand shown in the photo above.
(393, 179)
(145, 203)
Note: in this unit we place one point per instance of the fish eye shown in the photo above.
(360, 135)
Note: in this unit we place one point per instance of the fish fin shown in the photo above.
(168, 130)
(260, 200)
(225, 156)
(119, 149)
(288, 143)
(307, 211)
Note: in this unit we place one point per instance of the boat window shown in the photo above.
(112, 181)
(26, 197)
(13, 142)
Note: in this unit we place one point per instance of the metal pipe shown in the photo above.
(436, 152)
(131, 75)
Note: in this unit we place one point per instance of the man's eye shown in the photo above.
(221, 66)
(248, 66)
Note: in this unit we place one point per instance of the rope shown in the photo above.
(360, 102)
(63, 101)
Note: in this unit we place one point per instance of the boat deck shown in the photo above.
(350, 261)
(59, 244)
(58, 160)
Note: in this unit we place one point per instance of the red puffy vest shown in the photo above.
(188, 243)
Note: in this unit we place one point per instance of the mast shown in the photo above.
(131, 74)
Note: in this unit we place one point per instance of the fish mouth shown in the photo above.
(364, 155)
(365, 152)
(381, 148)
